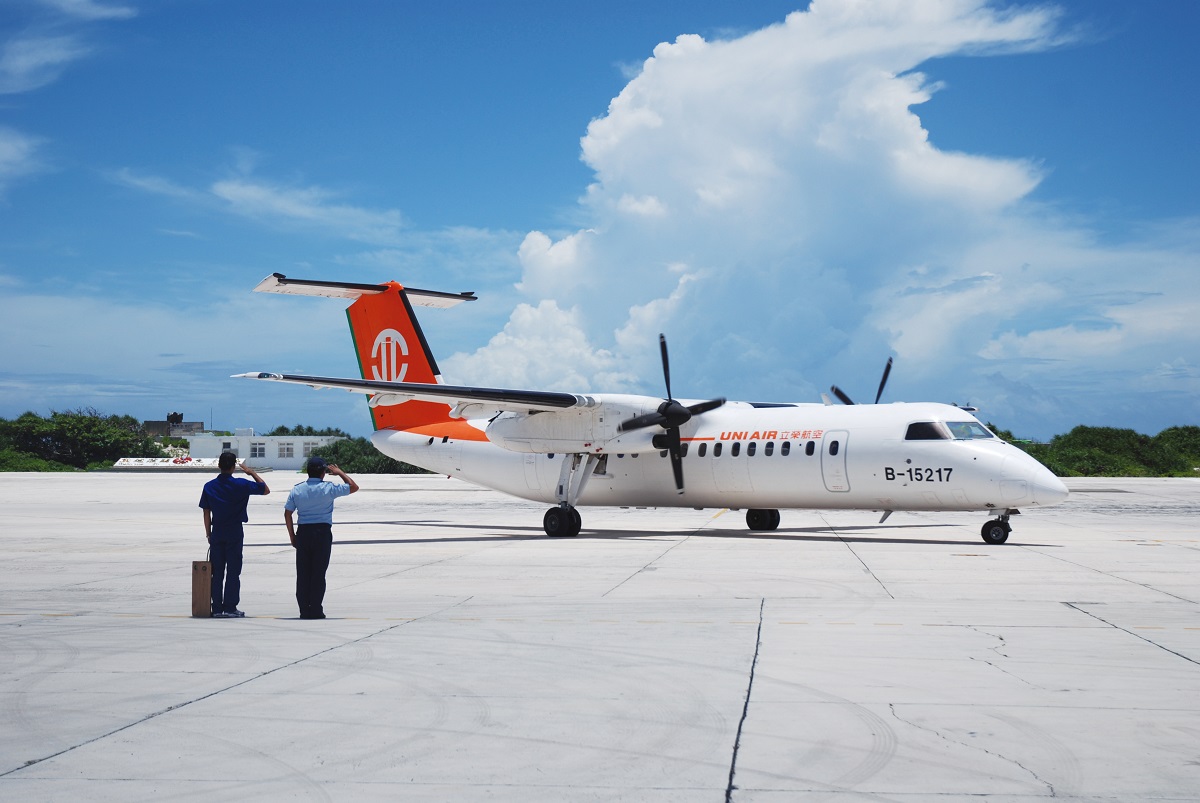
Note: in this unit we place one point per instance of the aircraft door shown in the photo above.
(833, 461)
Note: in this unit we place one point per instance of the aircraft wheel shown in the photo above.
(760, 520)
(561, 522)
(995, 531)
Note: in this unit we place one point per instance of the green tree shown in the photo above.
(1184, 444)
(82, 438)
(1002, 434)
(303, 429)
(1111, 452)
(12, 460)
(358, 456)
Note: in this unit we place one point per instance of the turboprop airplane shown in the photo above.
(576, 449)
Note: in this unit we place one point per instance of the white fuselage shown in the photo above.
(746, 456)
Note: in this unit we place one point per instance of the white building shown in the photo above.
(282, 452)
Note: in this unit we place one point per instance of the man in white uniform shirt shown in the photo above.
(312, 500)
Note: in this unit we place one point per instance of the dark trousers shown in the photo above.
(225, 552)
(314, 543)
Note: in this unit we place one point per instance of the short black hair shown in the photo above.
(226, 461)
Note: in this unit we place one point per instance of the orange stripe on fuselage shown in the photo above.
(459, 430)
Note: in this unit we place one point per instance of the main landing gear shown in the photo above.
(760, 520)
(563, 521)
(996, 531)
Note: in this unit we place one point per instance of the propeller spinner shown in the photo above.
(670, 415)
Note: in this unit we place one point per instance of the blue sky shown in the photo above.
(1002, 196)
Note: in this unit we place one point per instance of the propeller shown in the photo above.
(844, 399)
(670, 415)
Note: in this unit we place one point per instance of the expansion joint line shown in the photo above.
(858, 557)
(737, 741)
(652, 561)
(1126, 630)
(259, 676)
(1146, 586)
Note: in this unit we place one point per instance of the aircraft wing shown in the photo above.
(477, 400)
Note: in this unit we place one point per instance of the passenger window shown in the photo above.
(770, 448)
(737, 448)
(785, 449)
(683, 449)
(811, 448)
(925, 431)
(833, 447)
(751, 448)
(716, 450)
(662, 453)
(703, 449)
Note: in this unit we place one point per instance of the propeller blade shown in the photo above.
(640, 421)
(662, 345)
(670, 415)
(704, 407)
(670, 442)
(676, 457)
(842, 397)
(887, 369)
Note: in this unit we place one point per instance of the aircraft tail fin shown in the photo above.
(388, 340)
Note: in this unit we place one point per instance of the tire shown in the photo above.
(561, 522)
(995, 532)
(762, 520)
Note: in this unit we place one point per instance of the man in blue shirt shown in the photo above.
(313, 501)
(224, 501)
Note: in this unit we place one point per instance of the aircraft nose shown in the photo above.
(1049, 490)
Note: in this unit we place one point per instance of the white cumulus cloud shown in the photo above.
(822, 229)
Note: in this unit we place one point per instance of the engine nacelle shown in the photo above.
(592, 429)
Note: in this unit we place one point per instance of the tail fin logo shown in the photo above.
(389, 347)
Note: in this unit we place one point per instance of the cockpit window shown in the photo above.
(926, 431)
(968, 430)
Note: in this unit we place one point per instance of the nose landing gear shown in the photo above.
(996, 531)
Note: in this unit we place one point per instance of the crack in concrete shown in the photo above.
(737, 741)
(1049, 786)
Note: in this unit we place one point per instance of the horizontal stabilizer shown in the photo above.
(278, 283)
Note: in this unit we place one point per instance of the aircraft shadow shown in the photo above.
(533, 533)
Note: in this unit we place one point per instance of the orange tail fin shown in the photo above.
(392, 348)
(389, 342)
